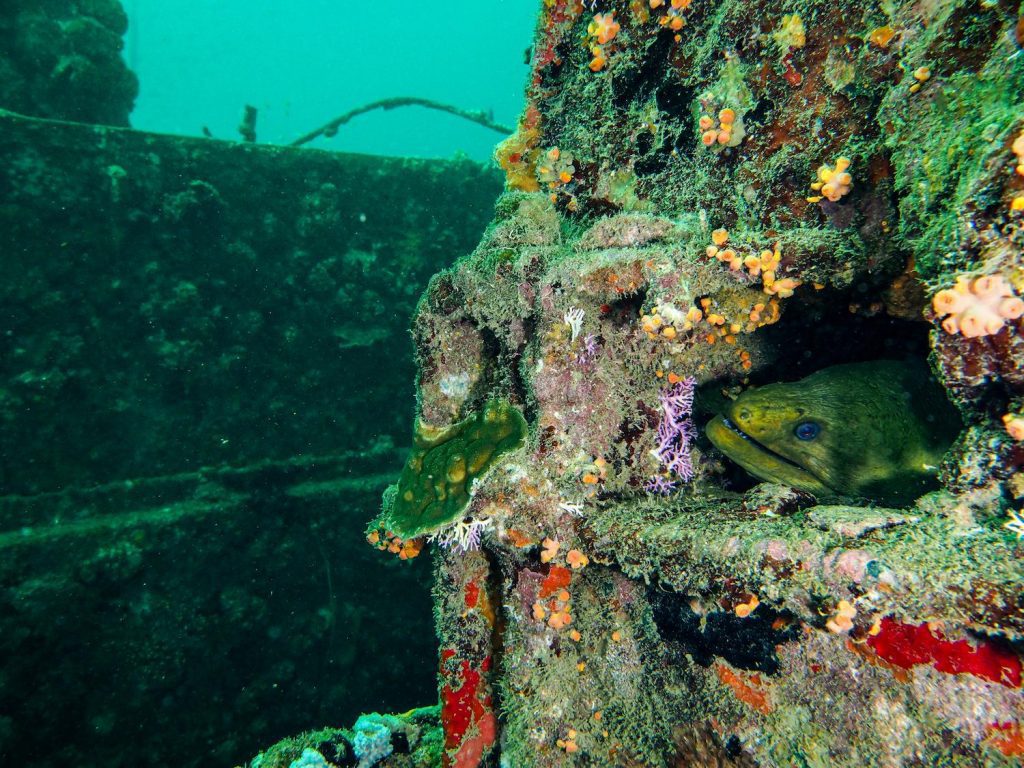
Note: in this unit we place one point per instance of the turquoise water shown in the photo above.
(302, 63)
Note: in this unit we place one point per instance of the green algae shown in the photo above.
(944, 163)
(436, 484)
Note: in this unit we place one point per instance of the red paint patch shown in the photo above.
(906, 646)
(472, 749)
(460, 706)
(470, 726)
(792, 77)
(748, 688)
(558, 578)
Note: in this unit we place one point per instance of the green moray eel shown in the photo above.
(876, 430)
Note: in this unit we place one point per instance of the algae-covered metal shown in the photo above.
(758, 192)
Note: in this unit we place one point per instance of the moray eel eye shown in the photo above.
(807, 430)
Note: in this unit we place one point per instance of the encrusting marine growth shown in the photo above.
(702, 199)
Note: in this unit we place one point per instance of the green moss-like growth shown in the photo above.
(435, 485)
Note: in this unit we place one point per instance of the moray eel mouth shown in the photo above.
(759, 460)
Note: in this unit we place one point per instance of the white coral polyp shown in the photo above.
(978, 307)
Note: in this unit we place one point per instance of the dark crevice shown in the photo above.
(622, 312)
(518, 377)
(833, 327)
(674, 100)
(651, 165)
(745, 643)
(493, 380)
(758, 115)
(644, 143)
(635, 85)
(496, 577)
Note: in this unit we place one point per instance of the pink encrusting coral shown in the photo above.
(676, 432)
(978, 307)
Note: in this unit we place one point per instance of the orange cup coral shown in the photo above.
(604, 27)
(1014, 424)
(978, 307)
(833, 182)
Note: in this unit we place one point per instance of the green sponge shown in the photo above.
(435, 486)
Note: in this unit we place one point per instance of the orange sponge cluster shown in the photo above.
(720, 133)
(673, 18)
(763, 265)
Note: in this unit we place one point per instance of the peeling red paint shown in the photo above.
(1008, 738)
(460, 705)
(470, 725)
(906, 646)
(472, 594)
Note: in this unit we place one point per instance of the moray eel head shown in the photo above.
(877, 430)
(746, 431)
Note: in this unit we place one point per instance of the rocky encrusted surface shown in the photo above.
(62, 59)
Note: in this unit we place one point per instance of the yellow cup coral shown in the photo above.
(790, 34)
(978, 307)
(833, 183)
(882, 36)
(921, 75)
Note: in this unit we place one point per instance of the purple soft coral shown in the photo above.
(588, 350)
(676, 432)
(660, 485)
(462, 537)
